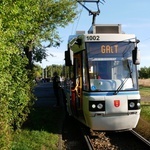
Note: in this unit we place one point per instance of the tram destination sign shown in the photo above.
(110, 48)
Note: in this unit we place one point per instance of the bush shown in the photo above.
(15, 95)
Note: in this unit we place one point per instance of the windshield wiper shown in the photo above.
(121, 85)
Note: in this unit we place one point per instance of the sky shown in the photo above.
(133, 15)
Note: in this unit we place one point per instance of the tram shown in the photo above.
(102, 88)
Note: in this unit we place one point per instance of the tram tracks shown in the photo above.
(77, 136)
(141, 138)
(116, 141)
(88, 142)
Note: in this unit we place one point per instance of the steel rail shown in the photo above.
(140, 137)
(87, 139)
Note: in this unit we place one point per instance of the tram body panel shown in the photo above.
(69, 97)
(114, 117)
(120, 122)
(68, 106)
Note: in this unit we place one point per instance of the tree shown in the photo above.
(36, 21)
(144, 72)
(24, 25)
(54, 68)
(37, 71)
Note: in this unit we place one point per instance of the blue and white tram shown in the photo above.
(102, 91)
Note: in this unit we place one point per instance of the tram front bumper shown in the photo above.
(113, 122)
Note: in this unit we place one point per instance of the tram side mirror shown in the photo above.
(69, 57)
(136, 56)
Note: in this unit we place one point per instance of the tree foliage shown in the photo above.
(35, 21)
(23, 26)
(37, 71)
(54, 68)
(144, 73)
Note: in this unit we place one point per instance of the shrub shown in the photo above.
(15, 94)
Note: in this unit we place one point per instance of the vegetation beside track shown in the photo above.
(143, 127)
(145, 99)
(24, 26)
(41, 131)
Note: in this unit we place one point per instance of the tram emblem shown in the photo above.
(116, 103)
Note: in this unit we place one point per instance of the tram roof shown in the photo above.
(77, 42)
(73, 39)
(99, 33)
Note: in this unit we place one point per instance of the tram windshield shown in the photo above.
(110, 66)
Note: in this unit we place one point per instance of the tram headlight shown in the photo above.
(100, 106)
(138, 105)
(96, 105)
(133, 104)
(93, 106)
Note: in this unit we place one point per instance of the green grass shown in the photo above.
(41, 131)
(145, 91)
(145, 105)
(145, 112)
(35, 140)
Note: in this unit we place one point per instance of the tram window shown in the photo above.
(109, 70)
(120, 69)
(104, 70)
(100, 70)
(85, 73)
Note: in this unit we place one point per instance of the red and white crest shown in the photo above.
(116, 103)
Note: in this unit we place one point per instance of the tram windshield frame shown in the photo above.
(110, 66)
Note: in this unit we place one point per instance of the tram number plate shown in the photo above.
(93, 38)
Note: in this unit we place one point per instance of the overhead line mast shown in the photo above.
(93, 13)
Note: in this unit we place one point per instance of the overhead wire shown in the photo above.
(77, 21)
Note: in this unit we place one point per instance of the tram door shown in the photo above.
(77, 90)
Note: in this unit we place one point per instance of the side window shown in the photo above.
(85, 73)
(77, 69)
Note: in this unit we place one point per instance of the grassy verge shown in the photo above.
(145, 91)
(145, 112)
(41, 131)
(143, 127)
(145, 105)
